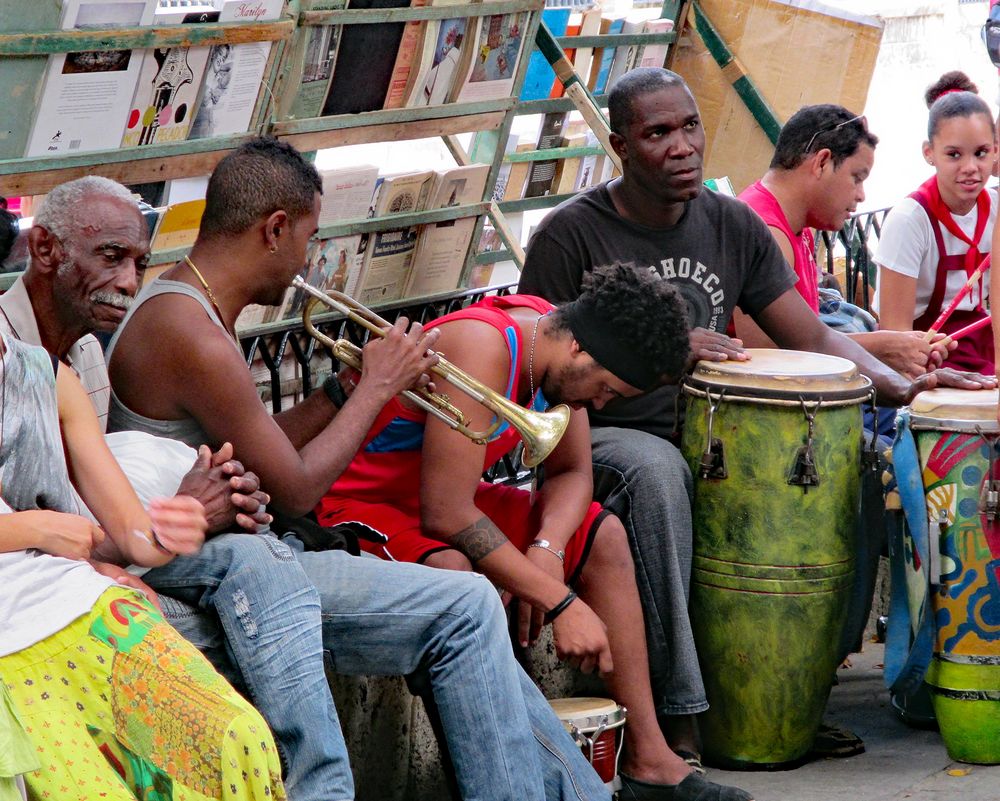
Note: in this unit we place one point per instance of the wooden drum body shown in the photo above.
(956, 435)
(774, 446)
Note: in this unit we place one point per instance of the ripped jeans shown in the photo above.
(280, 607)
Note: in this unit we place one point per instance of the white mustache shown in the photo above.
(112, 299)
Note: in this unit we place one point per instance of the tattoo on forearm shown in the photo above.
(479, 540)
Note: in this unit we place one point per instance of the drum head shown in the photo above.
(782, 373)
(956, 409)
(587, 714)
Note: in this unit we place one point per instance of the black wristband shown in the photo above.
(560, 607)
(334, 391)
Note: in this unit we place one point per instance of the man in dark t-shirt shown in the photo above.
(720, 254)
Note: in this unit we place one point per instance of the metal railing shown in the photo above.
(853, 243)
(311, 359)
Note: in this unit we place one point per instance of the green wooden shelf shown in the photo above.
(390, 116)
(554, 153)
(34, 43)
(494, 257)
(371, 16)
(616, 39)
(532, 203)
(553, 104)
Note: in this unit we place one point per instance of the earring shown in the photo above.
(273, 249)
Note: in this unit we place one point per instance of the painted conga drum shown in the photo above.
(956, 433)
(774, 446)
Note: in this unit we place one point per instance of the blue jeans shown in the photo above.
(645, 481)
(445, 630)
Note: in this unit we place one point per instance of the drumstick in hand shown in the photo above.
(969, 329)
(943, 317)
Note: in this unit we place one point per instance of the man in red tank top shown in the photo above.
(419, 482)
(816, 180)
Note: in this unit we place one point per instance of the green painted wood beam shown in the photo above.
(616, 39)
(554, 153)
(532, 203)
(369, 16)
(34, 43)
(386, 116)
(734, 72)
(554, 104)
(393, 221)
(122, 154)
(494, 257)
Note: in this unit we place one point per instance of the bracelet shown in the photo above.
(334, 391)
(560, 607)
(545, 545)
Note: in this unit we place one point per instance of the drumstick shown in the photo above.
(943, 317)
(971, 328)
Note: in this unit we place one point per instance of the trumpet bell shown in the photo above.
(541, 432)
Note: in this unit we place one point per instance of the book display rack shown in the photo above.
(337, 73)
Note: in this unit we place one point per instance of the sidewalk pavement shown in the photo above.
(899, 762)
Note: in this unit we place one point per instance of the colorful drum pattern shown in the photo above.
(774, 519)
(956, 434)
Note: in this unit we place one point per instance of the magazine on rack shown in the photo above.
(495, 55)
(84, 94)
(232, 80)
(164, 103)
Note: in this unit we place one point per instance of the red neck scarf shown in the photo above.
(943, 215)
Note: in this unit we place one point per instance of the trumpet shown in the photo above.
(540, 431)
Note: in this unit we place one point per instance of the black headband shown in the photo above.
(601, 338)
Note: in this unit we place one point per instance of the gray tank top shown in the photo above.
(33, 473)
(120, 417)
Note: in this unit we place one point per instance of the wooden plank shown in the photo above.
(128, 170)
(390, 116)
(554, 104)
(532, 203)
(34, 43)
(553, 153)
(390, 222)
(616, 39)
(369, 16)
(418, 129)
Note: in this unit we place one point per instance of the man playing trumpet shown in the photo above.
(419, 482)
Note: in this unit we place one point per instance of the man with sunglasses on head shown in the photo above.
(720, 255)
(816, 179)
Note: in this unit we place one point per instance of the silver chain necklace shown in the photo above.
(531, 360)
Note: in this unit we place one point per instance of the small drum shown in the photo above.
(596, 724)
(957, 439)
(774, 445)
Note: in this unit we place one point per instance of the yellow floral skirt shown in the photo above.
(119, 706)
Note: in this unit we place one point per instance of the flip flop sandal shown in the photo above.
(692, 788)
(835, 742)
(693, 759)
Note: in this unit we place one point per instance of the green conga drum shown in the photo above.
(956, 433)
(774, 446)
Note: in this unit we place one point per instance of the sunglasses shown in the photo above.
(860, 118)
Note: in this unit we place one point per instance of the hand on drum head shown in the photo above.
(400, 360)
(715, 347)
(947, 377)
(581, 639)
